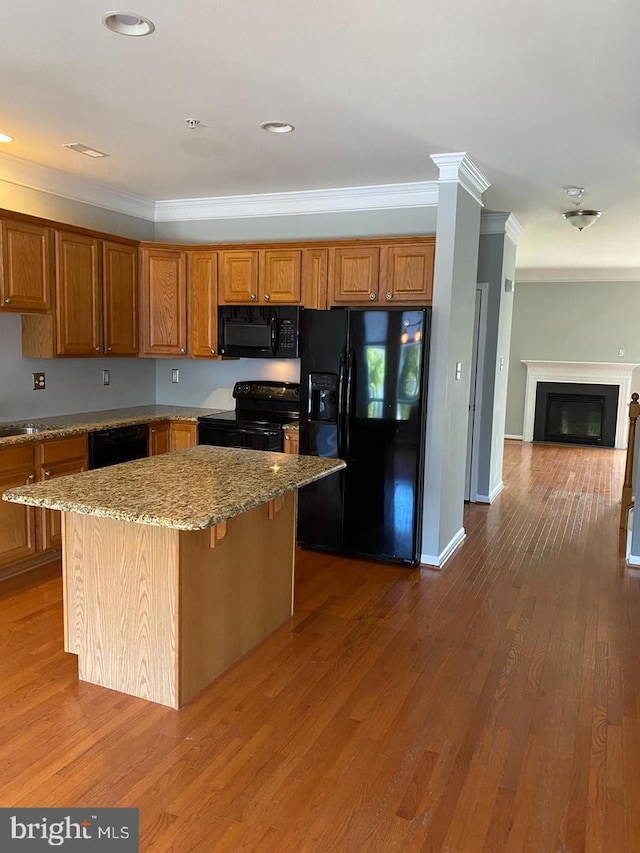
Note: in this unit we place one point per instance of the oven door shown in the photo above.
(229, 435)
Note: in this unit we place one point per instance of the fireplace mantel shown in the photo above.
(589, 372)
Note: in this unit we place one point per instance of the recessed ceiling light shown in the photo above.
(84, 149)
(277, 127)
(4, 137)
(128, 24)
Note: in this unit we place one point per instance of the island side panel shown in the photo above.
(121, 588)
(236, 593)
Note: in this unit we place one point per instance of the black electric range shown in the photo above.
(262, 408)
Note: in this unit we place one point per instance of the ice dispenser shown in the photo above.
(323, 397)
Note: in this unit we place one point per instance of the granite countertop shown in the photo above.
(63, 425)
(292, 427)
(185, 490)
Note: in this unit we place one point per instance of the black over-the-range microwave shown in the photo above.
(258, 331)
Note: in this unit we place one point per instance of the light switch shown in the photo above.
(502, 364)
(458, 370)
(175, 375)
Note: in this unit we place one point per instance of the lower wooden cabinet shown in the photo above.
(29, 536)
(58, 458)
(182, 434)
(291, 441)
(159, 438)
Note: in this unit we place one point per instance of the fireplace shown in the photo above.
(589, 373)
(576, 413)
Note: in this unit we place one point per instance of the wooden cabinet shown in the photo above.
(182, 434)
(96, 301)
(260, 276)
(17, 523)
(391, 273)
(164, 302)
(203, 304)
(120, 298)
(291, 440)
(315, 267)
(58, 458)
(78, 303)
(25, 267)
(159, 438)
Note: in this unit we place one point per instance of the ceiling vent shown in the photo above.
(84, 149)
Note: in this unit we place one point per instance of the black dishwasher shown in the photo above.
(119, 444)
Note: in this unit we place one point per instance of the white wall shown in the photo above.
(210, 383)
(570, 321)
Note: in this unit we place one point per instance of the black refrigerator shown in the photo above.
(363, 384)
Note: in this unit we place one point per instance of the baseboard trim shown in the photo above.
(439, 561)
(489, 499)
(515, 437)
(633, 561)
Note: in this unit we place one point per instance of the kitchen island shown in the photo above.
(176, 565)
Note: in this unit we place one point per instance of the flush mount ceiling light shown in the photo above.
(579, 218)
(4, 137)
(277, 127)
(128, 24)
(84, 149)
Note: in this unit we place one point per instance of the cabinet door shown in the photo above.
(51, 519)
(238, 277)
(291, 441)
(182, 435)
(164, 302)
(78, 294)
(120, 298)
(203, 303)
(355, 275)
(17, 522)
(315, 263)
(25, 267)
(408, 273)
(159, 439)
(280, 276)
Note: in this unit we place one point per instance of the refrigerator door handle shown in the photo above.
(341, 405)
(347, 408)
(273, 323)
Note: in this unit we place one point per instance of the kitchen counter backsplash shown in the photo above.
(62, 425)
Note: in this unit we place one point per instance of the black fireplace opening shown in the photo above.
(576, 413)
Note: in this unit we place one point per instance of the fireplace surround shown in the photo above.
(584, 372)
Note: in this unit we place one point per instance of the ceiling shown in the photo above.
(541, 95)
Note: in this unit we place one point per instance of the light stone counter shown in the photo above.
(187, 490)
(59, 426)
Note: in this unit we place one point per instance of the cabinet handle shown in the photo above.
(212, 351)
(253, 296)
(287, 438)
(182, 349)
(8, 300)
(47, 474)
(97, 349)
(266, 296)
(153, 430)
(372, 296)
(389, 296)
(31, 478)
(108, 349)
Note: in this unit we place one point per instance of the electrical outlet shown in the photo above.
(621, 353)
(106, 377)
(175, 375)
(38, 382)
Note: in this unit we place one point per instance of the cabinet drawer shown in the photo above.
(59, 449)
(17, 458)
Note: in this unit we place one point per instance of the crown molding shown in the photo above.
(501, 223)
(24, 173)
(459, 168)
(341, 199)
(568, 274)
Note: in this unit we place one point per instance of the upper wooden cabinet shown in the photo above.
(120, 298)
(387, 274)
(95, 311)
(203, 304)
(25, 267)
(164, 302)
(260, 276)
(78, 304)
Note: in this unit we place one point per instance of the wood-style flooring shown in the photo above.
(491, 706)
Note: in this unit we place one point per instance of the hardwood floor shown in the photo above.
(491, 706)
